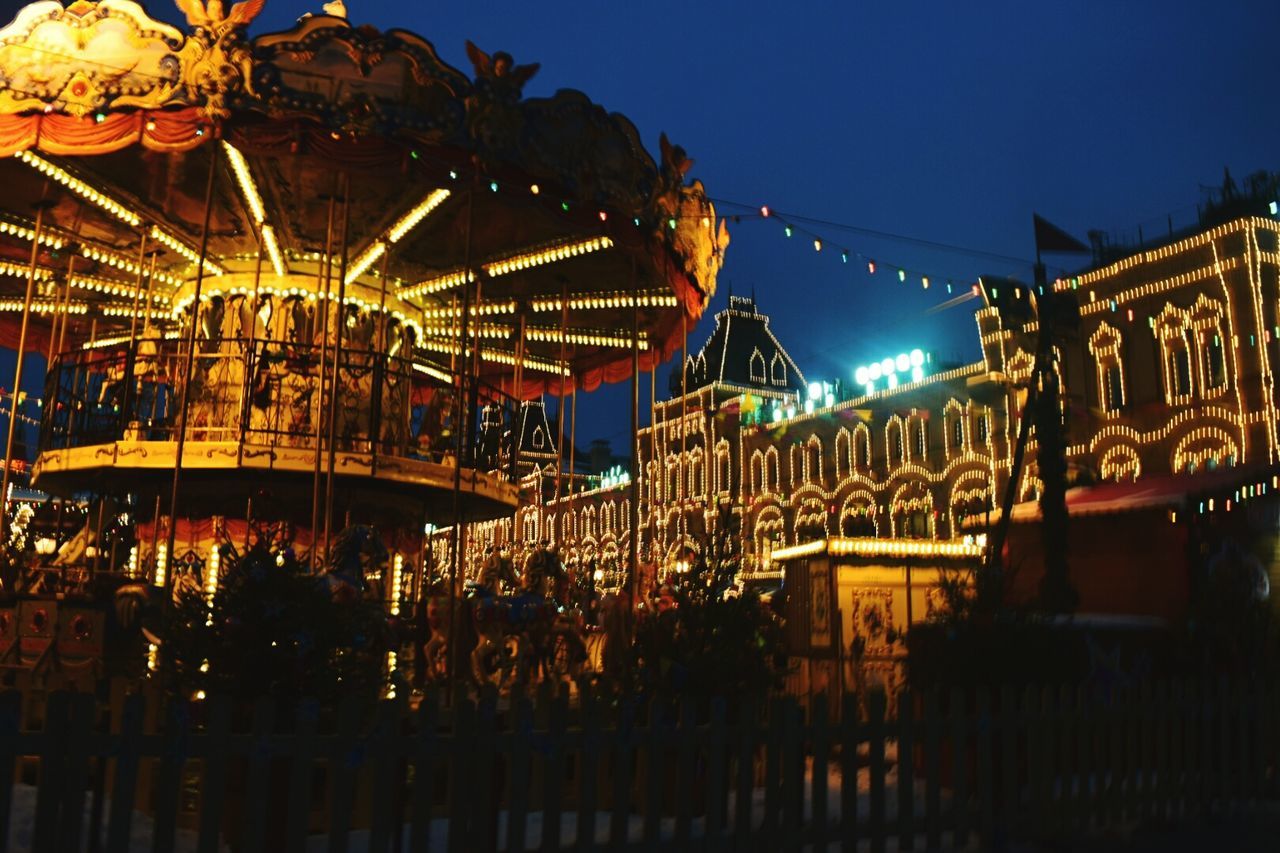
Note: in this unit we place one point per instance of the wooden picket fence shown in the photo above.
(595, 771)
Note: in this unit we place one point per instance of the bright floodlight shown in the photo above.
(903, 363)
(886, 366)
(893, 380)
(874, 372)
(917, 358)
(860, 376)
(815, 390)
(808, 407)
(917, 373)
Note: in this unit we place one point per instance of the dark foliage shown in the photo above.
(276, 630)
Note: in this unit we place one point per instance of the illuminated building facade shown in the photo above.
(1169, 381)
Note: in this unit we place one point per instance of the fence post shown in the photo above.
(654, 747)
(174, 752)
(820, 731)
(460, 775)
(770, 826)
(10, 732)
(985, 786)
(623, 766)
(518, 764)
(687, 735)
(52, 767)
(344, 761)
(850, 736)
(745, 783)
(906, 770)
(1009, 723)
(554, 770)
(589, 776)
(259, 775)
(932, 770)
(876, 735)
(76, 770)
(124, 785)
(213, 785)
(792, 781)
(301, 768)
(384, 767)
(959, 768)
(425, 747)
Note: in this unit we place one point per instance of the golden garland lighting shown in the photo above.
(396, 232)
(79, 187)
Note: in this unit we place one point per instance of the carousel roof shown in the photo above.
(342, 148)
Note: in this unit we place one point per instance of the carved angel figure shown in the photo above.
(218, 61)
(499, 76)
(211, 16)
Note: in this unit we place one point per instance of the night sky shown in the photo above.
(945, 122)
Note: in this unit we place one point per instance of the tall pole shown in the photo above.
(323, 304)
(188, 374)
(564, 334)
(634, 486)
(573, 429)
(250, 363)
(462, 423)
(684, 411)
(137, 293)
(21, 358)
(58, 330)
(337, 359)
(151, 283)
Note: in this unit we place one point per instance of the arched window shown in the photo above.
(980, 427)
(862, 448)
(844, 454)
(723, 466)
(813, 460)
(771, 469)
(778, 370)
(674, 492)
(538, 438)
(893, 444)
(755, 367)
(921, 449)
(696, 484)
(1106, 344)
(757, 472)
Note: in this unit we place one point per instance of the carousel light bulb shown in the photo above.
(533, 188)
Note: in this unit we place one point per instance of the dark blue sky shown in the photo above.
(946, 121)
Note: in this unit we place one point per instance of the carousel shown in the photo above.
(295, 282)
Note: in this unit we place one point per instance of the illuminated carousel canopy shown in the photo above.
(347, 161)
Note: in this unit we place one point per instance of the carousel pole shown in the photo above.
(146, 318)
(21, 357)
(573, 429)
(58, 314)
(58, 329)
(250, 361)
(337, 360)
(382, 303)
(319, 408)
(564, 333)
(187, 375)
(462, 424)
(684, 411)
(137, 294)
(634, 488)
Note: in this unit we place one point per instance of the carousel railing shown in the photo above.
(267, 393)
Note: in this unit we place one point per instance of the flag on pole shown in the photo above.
(1051, 238)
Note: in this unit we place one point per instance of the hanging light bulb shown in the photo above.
(817, 245)
(764, 211)
(844, 257)
(533, 188)
(924, 280)
(902, 275)
(871, 267)
(787, 230)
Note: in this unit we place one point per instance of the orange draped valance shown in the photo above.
(58, 134)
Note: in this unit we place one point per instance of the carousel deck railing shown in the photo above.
(267, 393)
